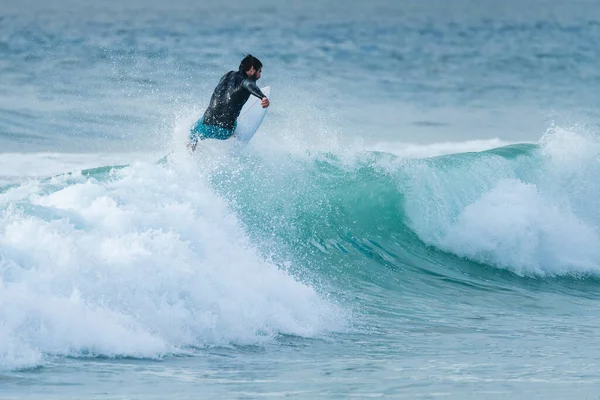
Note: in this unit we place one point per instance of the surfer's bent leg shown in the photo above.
(201, 131)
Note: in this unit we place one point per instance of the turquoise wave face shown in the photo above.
(528, 209)
(512, 208)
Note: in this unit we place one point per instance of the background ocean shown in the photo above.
(418, 216)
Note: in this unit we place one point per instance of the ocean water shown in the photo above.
(418, 216)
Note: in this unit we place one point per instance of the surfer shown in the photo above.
(228, 98)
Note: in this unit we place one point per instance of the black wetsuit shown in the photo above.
(229, 97)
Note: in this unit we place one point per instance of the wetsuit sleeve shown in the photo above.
(253, 88)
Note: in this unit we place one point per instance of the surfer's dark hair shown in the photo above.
(250, 61)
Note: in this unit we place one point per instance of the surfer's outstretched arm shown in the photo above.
(253, 88)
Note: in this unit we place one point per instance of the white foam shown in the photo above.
(536, 215)
(514, 226)
(143, 264)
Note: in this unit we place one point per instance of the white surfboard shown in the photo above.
(251, 117)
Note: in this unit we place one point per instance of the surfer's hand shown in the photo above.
(265, 102)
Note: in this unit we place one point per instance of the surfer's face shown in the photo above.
(254, 74)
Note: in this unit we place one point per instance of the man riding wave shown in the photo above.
(228, 98)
